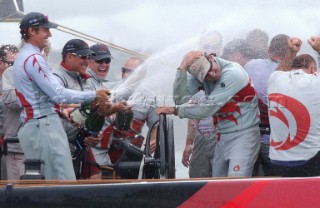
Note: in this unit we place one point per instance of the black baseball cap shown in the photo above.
(34, 19)
(101, 51)
(78, 47)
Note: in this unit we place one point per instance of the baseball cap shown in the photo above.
(34, 19)
(200, 68)
(101, 51)
(78, 47)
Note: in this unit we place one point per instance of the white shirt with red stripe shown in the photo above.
(37, 88)
(294, 113)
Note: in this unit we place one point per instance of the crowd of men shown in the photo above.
(252, 106)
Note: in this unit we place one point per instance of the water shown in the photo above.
(155, 77)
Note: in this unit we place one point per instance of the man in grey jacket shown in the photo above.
(10, 163)
(11, 124)
(232, 102)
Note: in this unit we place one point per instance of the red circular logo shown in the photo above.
(300, 114)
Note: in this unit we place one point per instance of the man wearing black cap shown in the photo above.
(99, 66)
(98, 69)
(72, 74)
(75, 59)
(42, 135)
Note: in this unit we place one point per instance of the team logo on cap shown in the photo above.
(33, 21)
(236, 168)
(70, 47)
(102, 48)
(194, 68)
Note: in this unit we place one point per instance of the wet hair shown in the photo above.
(237, 45)
(257, 35)
(5, 49)
(24, 33)
(303, 61)
(135, 61)
(279, 45)
(258, 42)
(211, 40)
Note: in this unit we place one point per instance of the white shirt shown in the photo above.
(294, 115)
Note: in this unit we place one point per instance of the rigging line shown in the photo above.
(78, 34)
(97, 40)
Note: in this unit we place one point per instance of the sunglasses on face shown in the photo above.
(82, 57)
(10, 63)
(106, 60)
(126, 70)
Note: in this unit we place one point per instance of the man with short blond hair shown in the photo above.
(293, 95)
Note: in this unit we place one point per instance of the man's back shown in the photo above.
(259, 71)
(294, 115)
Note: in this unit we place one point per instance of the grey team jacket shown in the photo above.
(231, 100)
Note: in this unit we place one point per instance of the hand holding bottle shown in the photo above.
(102, 96)
(66, 112)
(92, 141)
(103, 109)
(102, 101)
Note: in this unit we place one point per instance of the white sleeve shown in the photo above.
(40, 72)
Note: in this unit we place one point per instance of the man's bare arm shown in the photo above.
(294, 45)
(314, 42)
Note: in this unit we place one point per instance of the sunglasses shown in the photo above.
(82, 57)
(106, 60)
(126, 70)
(10, 63)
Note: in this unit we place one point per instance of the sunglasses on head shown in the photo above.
(106, 60)
(82, 57)
(126, 70)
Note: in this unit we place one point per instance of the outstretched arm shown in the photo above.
(314, 42)
(294, 45)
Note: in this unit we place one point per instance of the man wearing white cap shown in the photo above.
(231, 100)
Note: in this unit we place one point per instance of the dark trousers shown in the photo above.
(312, 168)
(263, 166)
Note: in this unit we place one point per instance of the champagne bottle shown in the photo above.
(123, 121)
(81, 113)
(92, 126)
